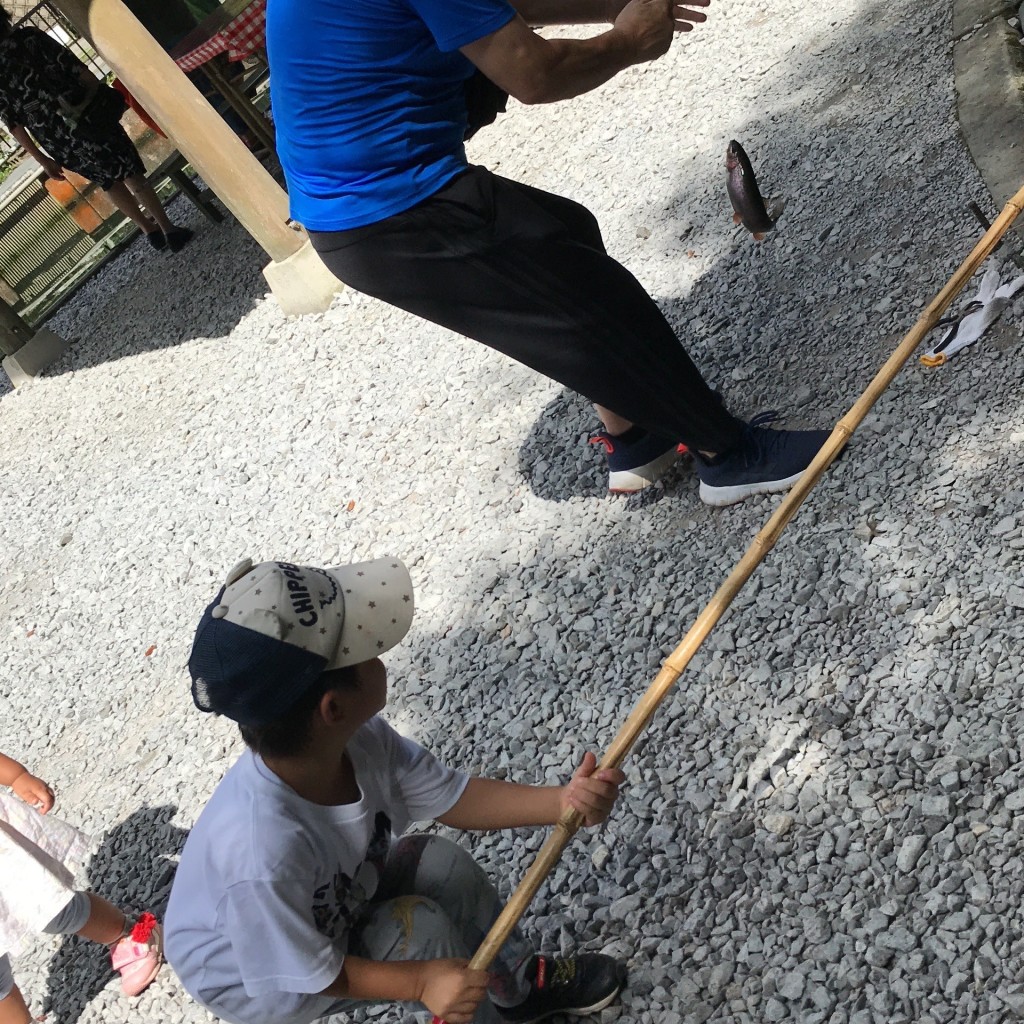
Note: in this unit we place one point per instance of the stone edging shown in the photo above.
(988, 67)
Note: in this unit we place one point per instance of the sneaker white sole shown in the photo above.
(629, 481)
(721, 496)
(579, 1011)
(598, 1006)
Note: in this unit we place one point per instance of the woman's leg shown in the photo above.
(612, 421)
(147, 198)
(526, 273)
(120, 195)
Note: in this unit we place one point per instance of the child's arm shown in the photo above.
(10, 770)
(492, 804)
(25, 785)
(447, 988)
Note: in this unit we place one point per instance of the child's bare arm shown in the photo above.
(447, 988)
(10, 770)
(492, 804)
(26, 786)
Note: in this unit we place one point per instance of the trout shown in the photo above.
(748, 206)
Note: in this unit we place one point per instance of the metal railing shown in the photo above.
(10, 153)
(39, 242)
(46, 17)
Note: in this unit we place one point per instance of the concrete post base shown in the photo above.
(43, 349)
(301, 283)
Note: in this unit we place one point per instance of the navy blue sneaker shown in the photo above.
(575, 986)
(636, 464)
(765, 461)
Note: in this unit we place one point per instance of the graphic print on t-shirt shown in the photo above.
(338, 903)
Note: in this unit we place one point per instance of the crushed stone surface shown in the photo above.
(824, 821)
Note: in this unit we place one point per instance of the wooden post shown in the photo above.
(26, 352)
(149, 74)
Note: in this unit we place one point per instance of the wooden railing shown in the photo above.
(40, 243)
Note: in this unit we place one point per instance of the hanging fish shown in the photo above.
(748, 206)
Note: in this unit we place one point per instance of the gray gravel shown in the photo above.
(824, 823)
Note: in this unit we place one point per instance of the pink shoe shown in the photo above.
(138, 956)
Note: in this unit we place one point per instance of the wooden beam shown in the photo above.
(239, 180)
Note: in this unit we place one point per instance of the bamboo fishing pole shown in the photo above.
(642, 713)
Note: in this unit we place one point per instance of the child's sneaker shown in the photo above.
(576, 986)
(634, 465)
(138, 955)
(765, 461)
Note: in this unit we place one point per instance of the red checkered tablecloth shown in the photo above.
(237, 39)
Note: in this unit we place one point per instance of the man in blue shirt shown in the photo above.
(370, 104)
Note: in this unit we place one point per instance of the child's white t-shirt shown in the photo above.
(270, 883)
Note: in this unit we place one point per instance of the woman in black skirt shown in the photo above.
(75, 122)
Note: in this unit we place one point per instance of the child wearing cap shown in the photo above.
(294, 898)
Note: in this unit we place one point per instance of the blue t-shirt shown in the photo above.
(368, 101)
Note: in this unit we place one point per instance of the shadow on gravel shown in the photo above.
(145, 300)
(555, 459)
(557, 462)
(130, 868)
(838, 275)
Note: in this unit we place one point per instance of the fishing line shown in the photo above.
(639, 718)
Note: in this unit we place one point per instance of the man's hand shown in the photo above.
(685, 17)
(648, 26)
(33, 791)
(591, 792)
(451, 991)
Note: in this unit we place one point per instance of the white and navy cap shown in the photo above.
(275, 627)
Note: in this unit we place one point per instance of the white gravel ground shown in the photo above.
(825, 821)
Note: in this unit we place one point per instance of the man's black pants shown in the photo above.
(526, 273)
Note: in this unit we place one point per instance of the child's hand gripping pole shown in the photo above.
(587, 799)
(565, 828)
(642, 713)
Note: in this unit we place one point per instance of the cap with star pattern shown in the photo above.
(275, 627)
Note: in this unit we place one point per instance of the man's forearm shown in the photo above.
(580, 65)
(536, 70)
(565, 12)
